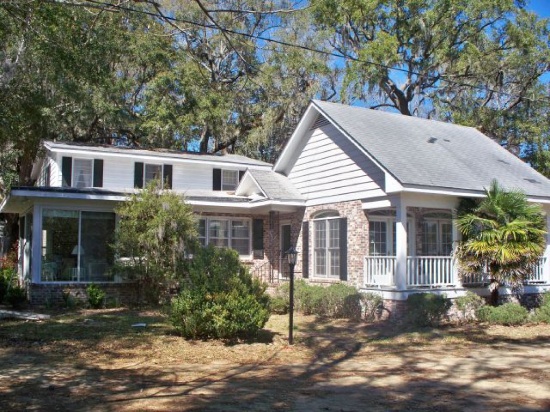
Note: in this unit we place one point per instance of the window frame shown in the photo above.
(160, 178)
(391, 235)
(205, 237)
(439, 222)
(232, 185)
(74, 177)
(328, 252)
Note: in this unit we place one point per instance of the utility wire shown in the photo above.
(110, 7)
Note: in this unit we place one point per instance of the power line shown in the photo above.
(110, 7)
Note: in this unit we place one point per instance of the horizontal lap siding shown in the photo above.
(331, 166)
(118, 173)
(192, 176)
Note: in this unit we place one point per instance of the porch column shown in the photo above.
(456, 238)
(546, 267)
(401, 245)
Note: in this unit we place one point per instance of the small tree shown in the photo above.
(503, 234)
(156, 228)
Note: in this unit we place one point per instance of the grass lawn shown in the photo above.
(96, 360)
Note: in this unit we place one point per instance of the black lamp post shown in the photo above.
(291, 254)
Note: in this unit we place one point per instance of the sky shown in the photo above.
(541, 7)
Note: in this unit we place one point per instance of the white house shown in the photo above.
(366, 196)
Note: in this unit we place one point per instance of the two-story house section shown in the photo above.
(67, 219)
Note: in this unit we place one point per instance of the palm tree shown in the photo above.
(503, 234)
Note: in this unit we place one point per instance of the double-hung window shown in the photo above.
(437, 237)
(226, 232)
(230, 179)
(382, 233)
(83, 173)
(152, 172)
(80, 173)
(326, 232)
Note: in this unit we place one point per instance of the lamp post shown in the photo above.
(291, 254)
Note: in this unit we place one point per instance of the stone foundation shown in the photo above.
(118, 294)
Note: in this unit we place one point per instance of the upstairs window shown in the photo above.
(147, 172)
(226, 180)
(81, 173)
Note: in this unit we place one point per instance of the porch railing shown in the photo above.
(434, 271)
(430, 271)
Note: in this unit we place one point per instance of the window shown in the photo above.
(232, 233)
(326, 232)
(382, 233)
(76, 246)
(230, 180)
(147, 172)
(437, 237)
(82, 173)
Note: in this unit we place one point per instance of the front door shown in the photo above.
(285, 245)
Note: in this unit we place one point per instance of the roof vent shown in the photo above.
(532, 181)
(319, 122)
(432, 140)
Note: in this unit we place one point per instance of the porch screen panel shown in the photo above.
(96, 254)
(430, 245)
(59, 240)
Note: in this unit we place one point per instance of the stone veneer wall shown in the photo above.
(42, 294)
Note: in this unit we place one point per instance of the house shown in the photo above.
(367, 197)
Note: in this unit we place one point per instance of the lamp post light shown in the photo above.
(291, 254)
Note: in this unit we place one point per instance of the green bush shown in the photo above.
(509, 314)
(542, 313)
(6, 277)
(372, 305)
(96, 296)
(335, 301)
(221, 299)
(279, 305)
(16, 296)
(427, 309)
(468, 305)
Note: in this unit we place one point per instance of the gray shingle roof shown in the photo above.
(275, 185)
(169, 154)
(428, 153)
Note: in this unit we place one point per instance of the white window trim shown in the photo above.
(439, 221)
(236, 182)
(230, 238)
(145, 182)
(411, 233)
(326, 248)
(73, 171)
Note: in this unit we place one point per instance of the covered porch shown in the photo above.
(412, 239)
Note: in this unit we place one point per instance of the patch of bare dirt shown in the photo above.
(97, 361)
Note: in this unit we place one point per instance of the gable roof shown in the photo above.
(274, 185)
(90, 149)
(422, 153)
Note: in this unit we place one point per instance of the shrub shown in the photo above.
(6, 277)
(427, 309)
(279, 305)
(468, 305)
(221, 299)
(96, 296)
(16, 296)
(372, 305)
(509, 314)
(542, 313)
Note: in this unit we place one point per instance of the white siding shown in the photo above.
(192, 177)
(331, 168)
(118, 173)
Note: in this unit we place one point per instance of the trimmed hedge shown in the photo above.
(509, 314)
(427, 309)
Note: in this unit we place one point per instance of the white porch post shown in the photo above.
(456, 239)
(401, 245)
(546, 268)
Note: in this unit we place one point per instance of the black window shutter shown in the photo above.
(217, 180)
(66, 171)
(305, 250)
(167, 176)
(138, 175)
(258, 238)
(98, 173)
(241, 174)
(343, 248)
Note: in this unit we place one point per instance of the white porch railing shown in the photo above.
(430, 271)
(434, 271)
(379, 270)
